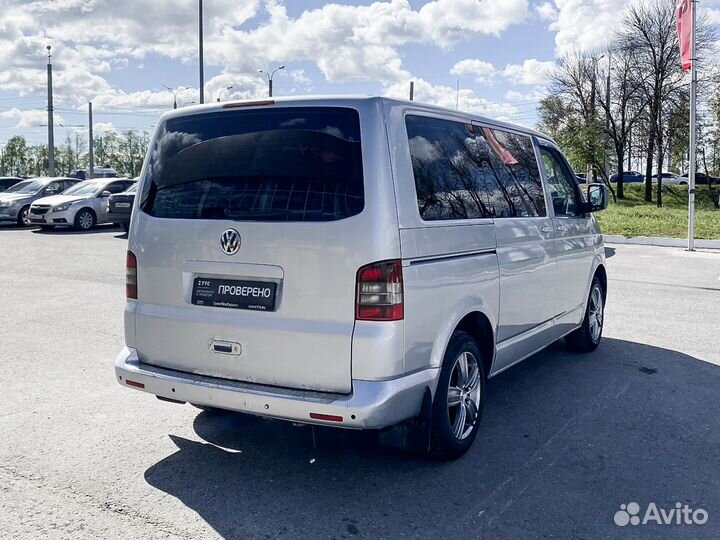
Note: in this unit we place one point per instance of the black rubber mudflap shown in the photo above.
(414, 434)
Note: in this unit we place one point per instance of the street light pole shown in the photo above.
(174, 92)
(91, 159)
(200, 35)
(270, 78)
(51, 134)
(693, 132)
(219, 94)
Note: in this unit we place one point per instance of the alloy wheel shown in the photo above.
(464, 395)
(85, 220)
(595, 314)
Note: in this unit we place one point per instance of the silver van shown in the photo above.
(354, 262)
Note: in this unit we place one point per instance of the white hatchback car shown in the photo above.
(354, 262)
(82, 206)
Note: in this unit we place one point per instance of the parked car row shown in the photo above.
(66, 202)
(630, 177)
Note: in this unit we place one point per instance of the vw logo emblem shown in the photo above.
(230, 241)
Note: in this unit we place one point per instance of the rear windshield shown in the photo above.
(285, 164)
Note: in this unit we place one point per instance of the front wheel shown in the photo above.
(85, 220)
(459, 399)
(587, 337)
(23, 217)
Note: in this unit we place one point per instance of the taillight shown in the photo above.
(131, 276)
(380, 292)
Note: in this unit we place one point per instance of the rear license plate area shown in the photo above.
(234, 294)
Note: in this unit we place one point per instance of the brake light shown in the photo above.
(326, 417)
(131, 276)
(380, 292)
(262, 103)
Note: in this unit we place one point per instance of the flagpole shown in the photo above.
(693, 133)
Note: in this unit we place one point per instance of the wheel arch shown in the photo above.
(475, 319)
(479, 327)
(89, 209)
(601, 274)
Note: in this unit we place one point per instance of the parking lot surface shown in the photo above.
(566, 438)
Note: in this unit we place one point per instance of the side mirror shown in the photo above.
(105, 194)
(597, 198)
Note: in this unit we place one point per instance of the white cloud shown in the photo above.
(449, 21)
(547, 11)
(360, 42)
(712, 16)
(533, 96)
(585, 25)
(530, 72)
(103, 127)
(445, 96)
(30, 118)
(483, 72)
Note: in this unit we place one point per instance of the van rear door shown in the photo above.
(252, 226)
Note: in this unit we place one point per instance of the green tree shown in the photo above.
(15, 157)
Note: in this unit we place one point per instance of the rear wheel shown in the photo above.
(23, 217)
(85, 219)
(587, 337)
(459, 399)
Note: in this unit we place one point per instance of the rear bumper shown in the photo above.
(371, 405)
(120, 218)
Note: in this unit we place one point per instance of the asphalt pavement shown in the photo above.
(566, 438)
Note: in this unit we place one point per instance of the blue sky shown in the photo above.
(119, 54)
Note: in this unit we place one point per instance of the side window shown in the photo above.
(563, 187)
(517, 188)
(449, 180)
(53, 188)
(116, 187)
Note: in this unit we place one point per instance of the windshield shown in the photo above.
(84, 188)
(28, 186)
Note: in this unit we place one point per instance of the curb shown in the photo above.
(658, 241)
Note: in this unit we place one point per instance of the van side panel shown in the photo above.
(442, 287)
(450, 268)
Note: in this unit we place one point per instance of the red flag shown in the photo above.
(684, 28)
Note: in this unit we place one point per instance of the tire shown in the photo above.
(452, 431)
(588, 336)
(85, 219)
(23, 217)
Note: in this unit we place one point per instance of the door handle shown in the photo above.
(561, 228)
(546, 229)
